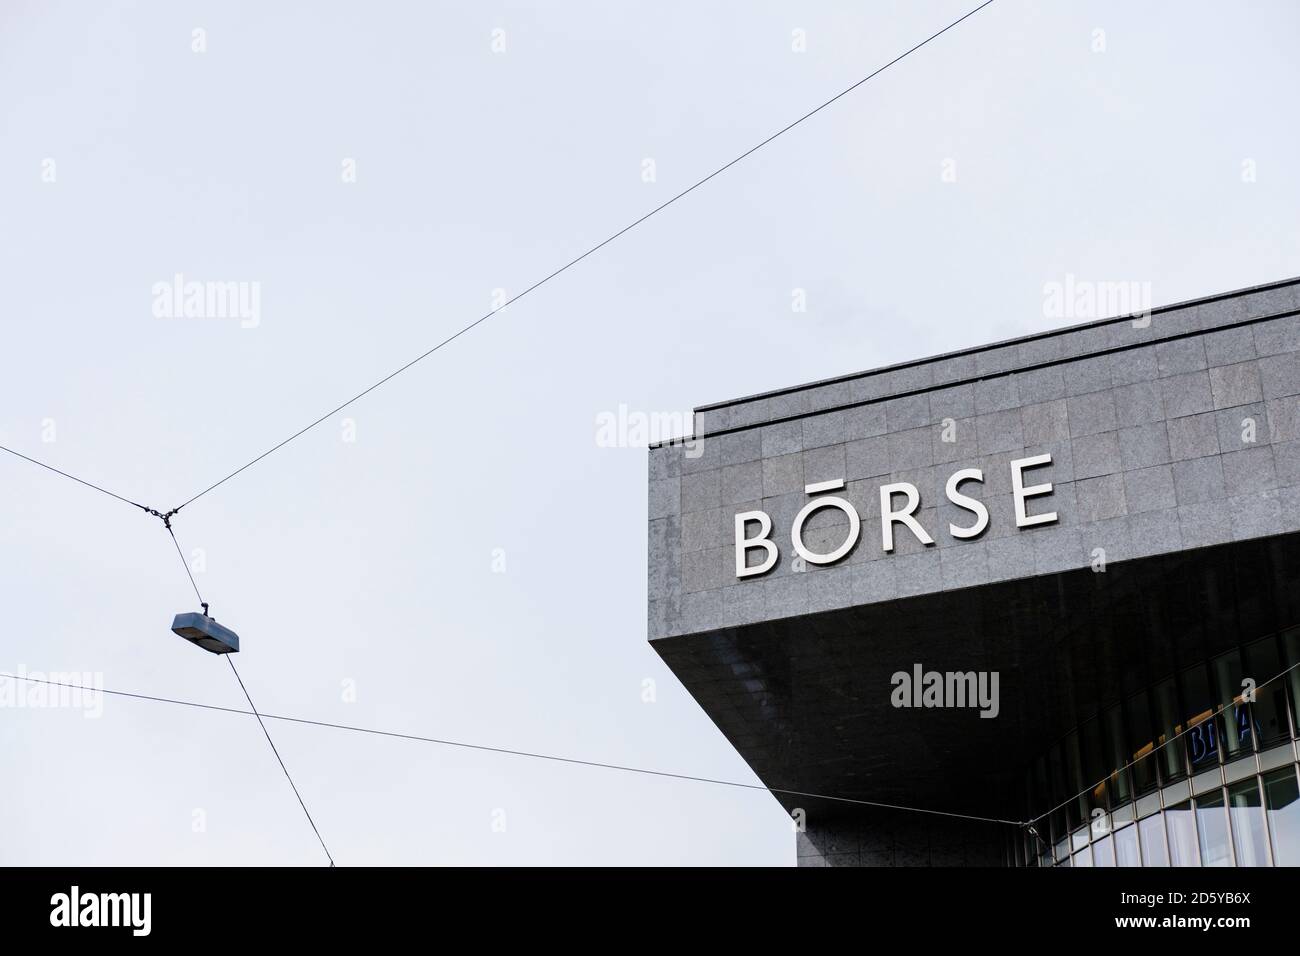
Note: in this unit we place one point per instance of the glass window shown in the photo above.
(1040, 791)
(1182, 835)
(1202, 728)
(1079, 839)
(1153, 842)
(1093, 770)
(1117, 755)
(1270, 700)
(1081, 806)
(1247, 816)
(1236, 736)
(1141, 742)
(1044, 798)
(1057, 820)
(1061, 817)
(1103, 851)
(1291, 647)
(1284, 815)
(1165, 697)
(1212, 823)
(1082, 858)
(1126, 847)
(1043, 845)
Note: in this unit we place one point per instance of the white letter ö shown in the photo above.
(830, 501)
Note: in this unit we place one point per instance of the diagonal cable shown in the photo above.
(287, 775)
(186, 565)
(80, 481)
(590, 763)
(600, 245)
(573, 761)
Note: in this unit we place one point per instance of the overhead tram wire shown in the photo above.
(598, 246)
(573, 761)
(229, 660)
(287, 775)
(564, 268)
(595, 763)
(165, 517)
(186, 565)
(80, 481)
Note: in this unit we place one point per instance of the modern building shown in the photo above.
(1053, 579)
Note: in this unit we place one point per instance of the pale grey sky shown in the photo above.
(372, 561)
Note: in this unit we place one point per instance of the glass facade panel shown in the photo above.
(1103, 852)
(1075, 780)
(1269, 708)
(1093, 768)
(1181, 737)
(1247, 816)
(1182, 835)
(1212, 822)
(1079, 839)
(1291, 653)
(1235, 738)
(1152, 834)
(1142, 741)
(1283, 795)
(1169, 723)
(1126, 847)
(1060, 792)
(1117, 755)
(1202, 727)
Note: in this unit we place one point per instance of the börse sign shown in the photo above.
(890, 515)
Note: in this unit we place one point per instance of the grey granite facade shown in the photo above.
(1175, 432)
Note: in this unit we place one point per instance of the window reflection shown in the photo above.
(1126, 847)
(1236, 736)
(1103, 852)
(1189, 722)
(1082, 805)
(1291, 648)
(1093, 768)
(1212, 822)
(1079, 839)
(1117, 755)
(1182, 835)
(1247, 816)
(1060, 819)
(1139, 722)
(1152, 835)
(1165, 697)
(1269, 708)
(1202, 726)
(1283, 796)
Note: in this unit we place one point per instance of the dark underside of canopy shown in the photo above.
(806, 700)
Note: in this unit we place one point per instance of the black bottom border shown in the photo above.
(371, 904)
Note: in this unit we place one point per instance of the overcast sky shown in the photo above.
(473, 565)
